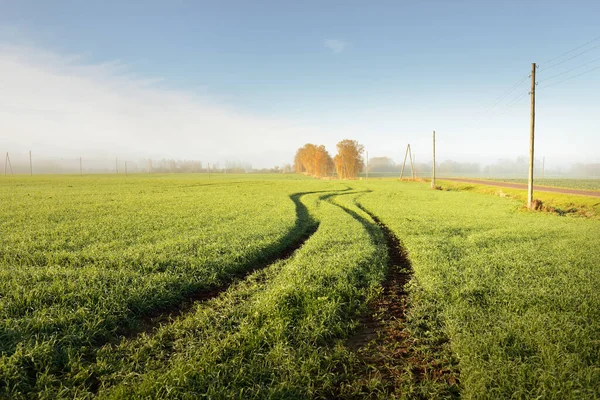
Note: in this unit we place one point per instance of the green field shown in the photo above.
(246, 286)
(581, 184)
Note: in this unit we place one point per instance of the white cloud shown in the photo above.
(58, 105)
(335, 45)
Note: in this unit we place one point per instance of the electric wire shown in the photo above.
(570, 70)
(570, 58)
(512, 89)
(516, 100)
(571, 77)
(570, 51)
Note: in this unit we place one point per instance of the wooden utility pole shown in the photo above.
(404, 162)
(80, 167)
(412, 166)
(30, 165)
(117, 165)
(543, 166)
(531, 139)
(7, 163)
(433, 167)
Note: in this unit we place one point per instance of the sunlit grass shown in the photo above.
(84, 260)
(515, 290)
(559, 203)
(582, 184)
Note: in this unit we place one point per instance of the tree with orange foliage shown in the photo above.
(323, 162)
(313, 160)
(298, 166)
(349, 160)
(308, 158)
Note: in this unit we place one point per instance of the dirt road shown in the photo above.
(589, 193)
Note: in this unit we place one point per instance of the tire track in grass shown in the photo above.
(387, 341)
(394, 296)
(304, 227)
(388, 354)
(231, 330)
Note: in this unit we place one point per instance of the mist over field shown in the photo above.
(63, 106)
(378, 166)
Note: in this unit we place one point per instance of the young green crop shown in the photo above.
(515, 291)
(272, 335)
(83, 260)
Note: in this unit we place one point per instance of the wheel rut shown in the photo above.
(305, 226)
(392, 304)
(388, 352)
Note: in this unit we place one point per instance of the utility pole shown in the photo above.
(125, 168)
(7, 162)
(80, 167)
(433, 167)
(117, 165)
(404, 162)
(30, 165)
(412, 167)
(543, 165)
(208, 170)
(531, 139)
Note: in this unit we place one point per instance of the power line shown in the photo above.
(488, 111)
(502, 110)
(570, 58)
(570, 70)
(571, 77)
(516, 100)
(502, 96)
(570, 51)
(510, 104)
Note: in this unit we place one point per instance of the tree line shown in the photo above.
(315, 160)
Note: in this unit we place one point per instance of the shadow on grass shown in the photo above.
(304, 227)
(393, 359)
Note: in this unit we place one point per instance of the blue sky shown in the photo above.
(284, 73)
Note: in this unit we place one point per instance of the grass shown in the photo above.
(272, 336)
(581, 184)
(502, 303)
(562, 204)
(84, 260)
(514, 290)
